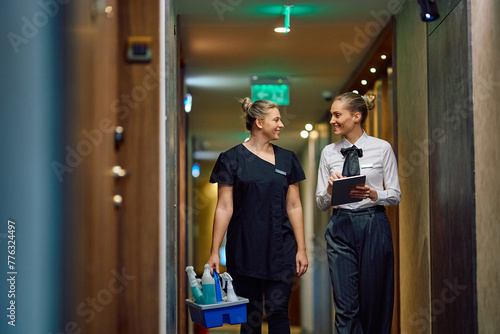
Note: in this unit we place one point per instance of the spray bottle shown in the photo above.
(226, 278)
(208, 286)
(195, 286)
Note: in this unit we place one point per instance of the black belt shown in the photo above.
(371, 209)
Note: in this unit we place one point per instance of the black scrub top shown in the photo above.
(260, 239)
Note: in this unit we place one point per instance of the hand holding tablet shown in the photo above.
(341, 189)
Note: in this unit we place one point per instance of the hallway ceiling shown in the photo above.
(226, 42)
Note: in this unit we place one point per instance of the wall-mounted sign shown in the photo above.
(279, 94)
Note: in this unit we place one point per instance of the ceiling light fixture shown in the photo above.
(287, 9)
(383, 56)
(364, 82)
(373, 70)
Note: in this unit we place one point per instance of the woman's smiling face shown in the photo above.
(272, 125)
(343, 120)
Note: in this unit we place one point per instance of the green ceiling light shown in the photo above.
(287, 9)
(298, 10)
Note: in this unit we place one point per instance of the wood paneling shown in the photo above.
(138, 221)
(92, 223)
(451, 177)
(114, 266)
(485, 16)
(411, 82)
(182, 238)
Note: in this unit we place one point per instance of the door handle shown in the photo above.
(117, 200)
(119, 172)
(118, 135)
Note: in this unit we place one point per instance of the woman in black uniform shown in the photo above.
(259, 205)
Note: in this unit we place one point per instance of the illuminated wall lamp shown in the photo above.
(428, 10)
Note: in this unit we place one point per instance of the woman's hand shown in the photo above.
(335, 176)
(364, 192)
(214, 261)
(301, 262)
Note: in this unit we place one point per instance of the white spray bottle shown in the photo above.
(195, 286)
(208, 286)
(227, 279)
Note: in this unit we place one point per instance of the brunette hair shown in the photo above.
(255, 110)
(357, 103)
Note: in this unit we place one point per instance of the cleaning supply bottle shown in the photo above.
(231, 295)
(208, 286)
(195, 286)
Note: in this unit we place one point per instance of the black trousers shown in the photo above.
(361, 260)
(273, 296)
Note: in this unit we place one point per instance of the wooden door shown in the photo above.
(138, 217)
(91, 219)
(113, 220)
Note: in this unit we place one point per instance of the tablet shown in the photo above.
(341, 189)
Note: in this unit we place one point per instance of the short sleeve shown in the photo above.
(297, 173)
(222, 172)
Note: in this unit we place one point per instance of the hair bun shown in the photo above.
(246, 104)
(369, 100)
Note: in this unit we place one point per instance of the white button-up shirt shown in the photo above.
(378, 163)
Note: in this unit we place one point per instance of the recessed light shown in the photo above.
(364, 82)
(373, 70)
(383, 56)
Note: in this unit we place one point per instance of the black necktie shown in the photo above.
(351, 162)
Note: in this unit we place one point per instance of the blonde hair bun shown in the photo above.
(369, 100)
(255, 110)
(246, 104)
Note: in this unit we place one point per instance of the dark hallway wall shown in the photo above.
(451, 175)
(436, 125)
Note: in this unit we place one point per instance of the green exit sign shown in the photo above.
(279, 94)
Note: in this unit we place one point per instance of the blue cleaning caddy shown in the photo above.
(215, 315)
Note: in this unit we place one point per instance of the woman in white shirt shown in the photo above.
(358, 235)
